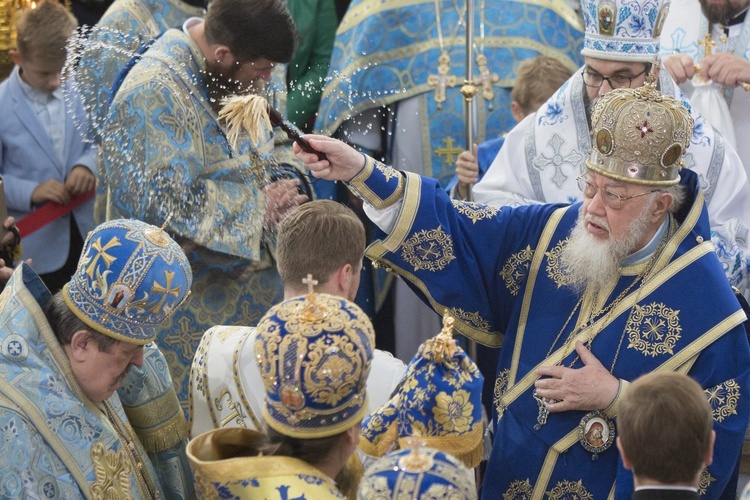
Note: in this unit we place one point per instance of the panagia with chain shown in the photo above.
(583, 298)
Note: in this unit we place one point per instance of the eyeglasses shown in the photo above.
(612, 200)
(595, 80)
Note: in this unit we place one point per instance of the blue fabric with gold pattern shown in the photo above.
(417, 473)
(131, 276)
(625, 30)
(439, 399)
(389, 51)
(314, 356)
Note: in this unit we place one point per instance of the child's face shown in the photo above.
(41, 73)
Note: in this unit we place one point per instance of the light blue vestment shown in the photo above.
(55, 442)
(510, 289)
(165, 152)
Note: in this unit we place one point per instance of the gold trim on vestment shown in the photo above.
(415, 49)
(359, 184)
(586, 335)
(238, 380)
(365, 9)
(534, 268)
(227, 455)
(674, 363)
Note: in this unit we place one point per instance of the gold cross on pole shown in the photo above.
(442, 80)
(486, 77)
(310, 282)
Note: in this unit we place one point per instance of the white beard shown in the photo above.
(590, 263)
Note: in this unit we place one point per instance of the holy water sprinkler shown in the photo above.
(251, 113)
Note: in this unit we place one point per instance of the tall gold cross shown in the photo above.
(486, 77)
(101, 251)
(442, 80)
(166, 290)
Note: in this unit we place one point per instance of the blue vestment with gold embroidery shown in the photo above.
(497, 271)
(164, 150)
(388, 51)
(55, 442)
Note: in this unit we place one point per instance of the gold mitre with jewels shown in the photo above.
(639, 136)
(314, 354)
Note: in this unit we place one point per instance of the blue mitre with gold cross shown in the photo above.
(439, 400)
(417, 473)
(623, 30)
(131, 277)
(314, 355)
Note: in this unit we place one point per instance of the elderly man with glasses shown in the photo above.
(582, 298)
(544, 154)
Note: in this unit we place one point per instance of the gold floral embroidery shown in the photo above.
(333, 369)
(388, 172)
(653, 329)
(112, 471)
(475, 211)
(428, 250)
(516, 268)
(454, 411)
(471, 318)
(705, 481)
(723, 399)
(563, 488)
(518, 490)
(500, 387)
(554, 266)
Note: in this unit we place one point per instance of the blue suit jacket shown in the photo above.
(27, 159)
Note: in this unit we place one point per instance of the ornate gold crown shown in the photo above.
(639, 136)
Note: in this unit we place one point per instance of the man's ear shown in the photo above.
(517, 112)
(343, 277)
(663, 203)
(709, 457)
(81, 345)
(222, 55)
(15, 56)
(625, 460)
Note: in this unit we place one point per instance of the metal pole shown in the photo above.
(469, 90)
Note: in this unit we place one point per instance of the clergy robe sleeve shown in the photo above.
(448, 251)
(161, 155)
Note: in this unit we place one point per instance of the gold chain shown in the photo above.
(440, 25)
(639, 279)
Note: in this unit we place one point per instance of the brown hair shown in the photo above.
(44, 31)
(664, 426)
(536, 80)
(318, 238)
(65, 323)
(252, 29)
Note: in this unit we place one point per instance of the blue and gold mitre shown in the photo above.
(623, 30)
(417, 473)
(131, 276)
(439, 399)
(314, 354)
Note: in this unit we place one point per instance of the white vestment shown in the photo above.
(543, 155)
(226, 389)
(684, 27)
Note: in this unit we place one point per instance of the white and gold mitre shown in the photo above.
(639, 136)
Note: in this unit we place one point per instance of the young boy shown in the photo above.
(665, 435)
(43, 155)
(536, 80)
